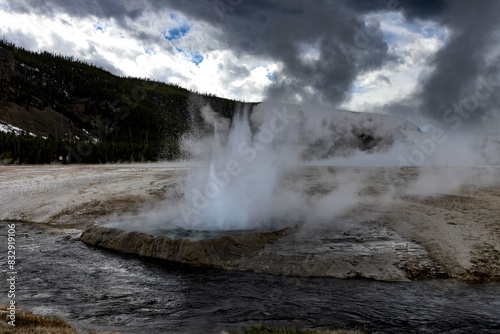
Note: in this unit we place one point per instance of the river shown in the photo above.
(100, 290)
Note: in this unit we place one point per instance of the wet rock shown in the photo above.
(375, 253)
(485, 264)
(364, 252)
(223, 251)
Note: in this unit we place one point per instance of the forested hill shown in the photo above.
(52, 106)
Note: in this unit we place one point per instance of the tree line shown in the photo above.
(132, 119)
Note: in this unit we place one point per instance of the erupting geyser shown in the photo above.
(243, 171)
(240, 180)
(236, 187)
(260, 176)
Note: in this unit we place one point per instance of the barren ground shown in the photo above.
(399, 230)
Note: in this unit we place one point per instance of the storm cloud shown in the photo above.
(343, 40)
(321, 47)
(343, 43)
(458, 90)
(462, 90)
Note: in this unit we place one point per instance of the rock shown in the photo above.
(368, 253)
(224, 251)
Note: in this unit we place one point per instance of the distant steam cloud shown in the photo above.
(468, 60)
(463, 89)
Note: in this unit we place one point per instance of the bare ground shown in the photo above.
(74, 195)
(460, 231)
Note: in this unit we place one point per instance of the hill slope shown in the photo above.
(76, 109)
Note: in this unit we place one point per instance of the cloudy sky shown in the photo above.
(413, 57)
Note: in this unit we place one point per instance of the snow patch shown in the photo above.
(30, 68)
(8, 128)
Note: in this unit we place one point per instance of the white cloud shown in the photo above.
(124, 51)
(91, 38)
(414, 45)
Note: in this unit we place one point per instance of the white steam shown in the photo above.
(266, 167)
(236, 187)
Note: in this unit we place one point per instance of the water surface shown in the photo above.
(100, 290)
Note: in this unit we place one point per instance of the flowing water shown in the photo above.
(100, 290)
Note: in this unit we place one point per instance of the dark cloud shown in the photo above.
(116, 9)
(463, 88)
(344, 42)
(234, 70)
(285, 31)
(412, 9)
(461, 63)
(383, 80)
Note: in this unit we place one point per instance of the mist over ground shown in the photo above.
(247, 170)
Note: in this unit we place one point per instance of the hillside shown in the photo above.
(65, 107)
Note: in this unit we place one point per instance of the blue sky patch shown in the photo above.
(177, 32)
(101, 25)
(196, 58)
(271, 76)
(390, 37)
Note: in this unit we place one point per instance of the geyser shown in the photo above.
(243, 179)
(251, 172)
(236, 187)
(264, 171)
